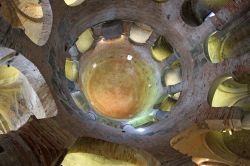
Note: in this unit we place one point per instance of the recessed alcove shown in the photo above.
(33, 16)
(23, 92)
(231, 42)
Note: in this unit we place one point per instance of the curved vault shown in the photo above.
(231, 42)
(226, 92)
(213, 147)
(157, 139)
(128, 95)
(23, 92)
(232, 89)
(34, 16)
(93, 152)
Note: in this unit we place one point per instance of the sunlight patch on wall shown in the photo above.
(85, 40)
(226, 92)
(93, 152)
(23, 91)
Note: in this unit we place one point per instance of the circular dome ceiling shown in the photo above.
(117, 80)
(123, 73)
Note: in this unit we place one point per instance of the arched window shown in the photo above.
(140, 33)
(85, 40)
(161, 49)
(230, 146)
(171, 79)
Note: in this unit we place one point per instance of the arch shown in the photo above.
(18, 98)
(33, 16)
(226, 92)
(23, 92)
(230, 42)
(172, 74)
(93, 152)
(71, 70)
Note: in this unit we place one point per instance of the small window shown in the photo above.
(140, 33)
(168, 103)
(172, 75)
(85, 41)
(23, 92)
(161, 49)
(71, 69)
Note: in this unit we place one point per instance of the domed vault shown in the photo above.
(125, 82)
